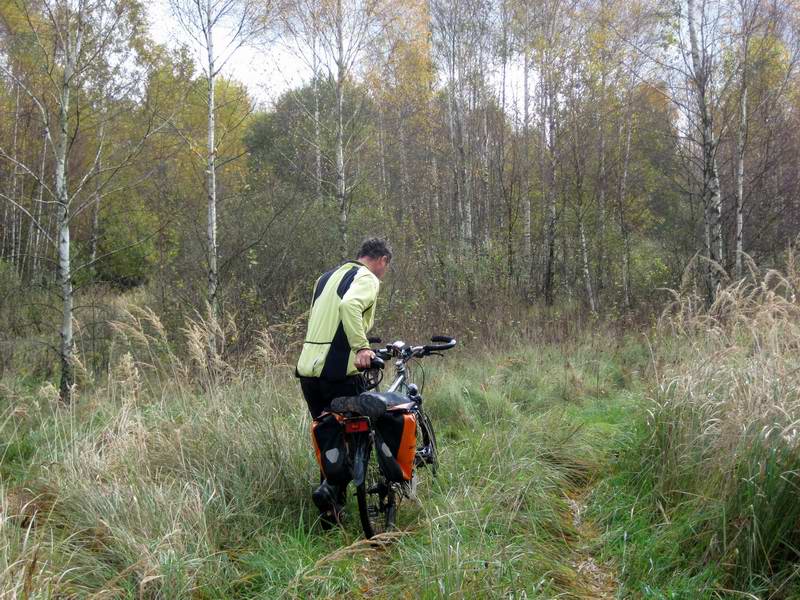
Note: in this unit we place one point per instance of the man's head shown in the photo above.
(376, 255)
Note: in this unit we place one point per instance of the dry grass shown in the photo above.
(723, 433)
(134, 489)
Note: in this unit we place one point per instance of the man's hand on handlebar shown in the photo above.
(364, 358)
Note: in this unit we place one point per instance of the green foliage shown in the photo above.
(127, 251)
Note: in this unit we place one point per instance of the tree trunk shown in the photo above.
(341, 189)
(587, 276)
(601, 202)
(403, 201)
(623, 225)
(549, 148)
(63, 221)
(457, 190)
(96, 208)
(435, 191)
(525, 192)
(382, 149)
(712, 197)
(483, 225)
(211, 183)
(16, 223)
(464, 183)
(317, 132)
(38, 215)
(740, 149)
(601, 172)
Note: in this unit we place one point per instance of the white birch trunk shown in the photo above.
(483, 226)
(404, 177)
(96, 200)
(341, 188)
(587, 276)
(72, 51)
(623, 226)
(601, 201)
(211, 180)
(317, 133)
(740, 150)
(451, 121)
(16, 232)
(712, 197)
(39, 210)
(382, 148)
(549, 148)
(527, 248)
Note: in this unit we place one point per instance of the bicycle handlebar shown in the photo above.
(445, 342)
(406, 352)
(377, 363)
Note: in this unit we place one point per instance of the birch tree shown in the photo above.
(74, 39)
(218, 28)
(302, 24)
(346, 29)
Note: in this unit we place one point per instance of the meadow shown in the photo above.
(657, 463)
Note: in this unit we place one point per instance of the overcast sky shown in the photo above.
(271, 70)
(266, 72)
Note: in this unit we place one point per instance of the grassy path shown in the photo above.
(596, 579)
(521, 450)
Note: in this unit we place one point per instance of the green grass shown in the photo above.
(193, 480)
(702, 501)
(709, 538)
(206, 495)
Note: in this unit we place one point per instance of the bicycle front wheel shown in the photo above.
(427, 452)
(377, 501)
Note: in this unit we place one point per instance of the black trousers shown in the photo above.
(319, 392)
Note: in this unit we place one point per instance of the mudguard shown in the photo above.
(360, 445)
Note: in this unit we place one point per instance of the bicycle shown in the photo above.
(379, 485)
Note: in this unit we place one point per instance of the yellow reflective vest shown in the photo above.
(342, 312)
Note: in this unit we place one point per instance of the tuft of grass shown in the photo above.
(705, 491)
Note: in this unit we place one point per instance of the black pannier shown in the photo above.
(327, 434)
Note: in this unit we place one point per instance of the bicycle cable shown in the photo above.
(421, 368)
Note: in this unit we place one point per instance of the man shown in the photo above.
(336, 345)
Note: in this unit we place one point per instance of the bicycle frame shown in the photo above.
(378, 492)
(400, 377)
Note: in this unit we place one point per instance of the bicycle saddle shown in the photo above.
(368, 404)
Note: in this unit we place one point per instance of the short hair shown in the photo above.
(375, 247)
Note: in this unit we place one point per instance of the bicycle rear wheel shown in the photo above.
(377, 501)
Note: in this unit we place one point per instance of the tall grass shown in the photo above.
(142, 485)
(714, 476)
(183, 475)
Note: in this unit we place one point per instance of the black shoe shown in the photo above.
(324, 496)
(331, 511)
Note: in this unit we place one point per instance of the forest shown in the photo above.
(599, 199)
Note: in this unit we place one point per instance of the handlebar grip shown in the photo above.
(377, 363)
(448, 342)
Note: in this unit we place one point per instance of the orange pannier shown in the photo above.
(396, 444)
